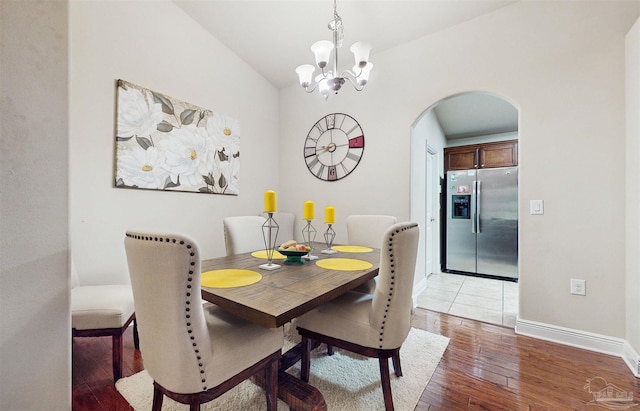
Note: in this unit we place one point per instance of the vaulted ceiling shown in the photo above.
(274, 36)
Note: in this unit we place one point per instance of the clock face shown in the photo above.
(334, 147)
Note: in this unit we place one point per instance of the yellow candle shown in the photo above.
(308, 210)
(329, 215)
(270, 201)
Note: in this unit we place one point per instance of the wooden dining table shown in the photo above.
(284, 294)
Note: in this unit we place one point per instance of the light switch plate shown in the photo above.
(536, 206)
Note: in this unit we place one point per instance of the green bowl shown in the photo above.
(294, 257)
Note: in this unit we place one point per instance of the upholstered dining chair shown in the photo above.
(367, 230)
(374, 325)
(243, 234)
(193, 353)
(103, 311)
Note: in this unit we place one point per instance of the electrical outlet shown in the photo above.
(578, 287)
(536, 207)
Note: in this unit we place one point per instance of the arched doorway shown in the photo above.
(472, 118)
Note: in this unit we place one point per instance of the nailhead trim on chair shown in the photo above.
(192, 263)
(392, 266)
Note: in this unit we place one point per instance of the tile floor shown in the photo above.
(483, 299)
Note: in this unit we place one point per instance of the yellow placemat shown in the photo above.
(263, 254)
(343, 264)
(352, 248)
(229, 278)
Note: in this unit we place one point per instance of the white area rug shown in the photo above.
(347, 382)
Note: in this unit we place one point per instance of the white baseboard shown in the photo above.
(631, 358)
(581, 339)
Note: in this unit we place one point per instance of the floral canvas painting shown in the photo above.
(166, 144)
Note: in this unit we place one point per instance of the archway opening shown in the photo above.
(469, 125)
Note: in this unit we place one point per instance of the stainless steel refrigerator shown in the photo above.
(482, 222)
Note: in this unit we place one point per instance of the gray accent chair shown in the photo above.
(374, 325)
(193, 353)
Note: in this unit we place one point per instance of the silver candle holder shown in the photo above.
(329, 236)
(309, 236)
(270, 234)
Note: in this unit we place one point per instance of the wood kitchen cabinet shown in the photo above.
(460, 158)
(488, 155)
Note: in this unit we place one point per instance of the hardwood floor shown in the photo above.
(485, 367)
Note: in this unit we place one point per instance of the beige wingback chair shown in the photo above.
(374, 325)
(193, 354)
(367, 230)
(103, 311)
(243, 234)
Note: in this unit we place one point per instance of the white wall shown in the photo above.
(425, 132)
(418, 177)
(35, 328)
(155, 45)
(632, 188)
(562, 65)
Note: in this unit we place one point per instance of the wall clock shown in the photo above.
(334, 147)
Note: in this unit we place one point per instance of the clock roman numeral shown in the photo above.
(320, 170)
(313, 162)
(356, 126)
(356, 142)
(331, 121)
(342, 119)
(353, 156)
(332, 173)
(309, 151)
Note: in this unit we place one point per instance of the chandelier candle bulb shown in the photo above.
(322, 51)
(308, 210)
(361, 51)
(270, 201)
(329, 215)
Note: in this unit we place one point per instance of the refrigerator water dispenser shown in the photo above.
(460, 206)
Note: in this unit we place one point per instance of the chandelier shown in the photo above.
(329, 80)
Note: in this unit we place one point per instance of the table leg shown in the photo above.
(297, 394)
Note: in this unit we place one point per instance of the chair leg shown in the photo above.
(116, 353)
(136, 338)
(386, 383)
(329, 349)
(157, 399)
(271, 385)
(305, 361)
(194, 407)
(396, 363)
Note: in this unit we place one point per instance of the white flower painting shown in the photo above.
(166, 144)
